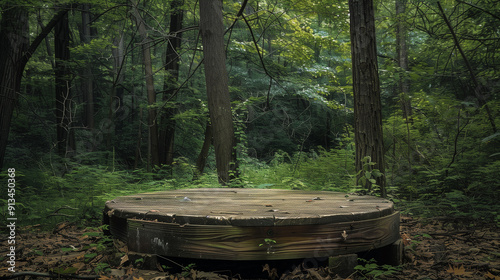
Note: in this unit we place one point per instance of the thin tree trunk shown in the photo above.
(216, 79)
(205, 148)
(138, 154)
(150, 89)
(402, 52)
(167, 128)
(404, 82)
(87, 85)
(366, 87)
(117, 112)
(65, 140)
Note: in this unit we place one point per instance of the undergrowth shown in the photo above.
(53, 193)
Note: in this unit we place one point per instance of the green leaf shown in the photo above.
(67, 249)
(67, 270)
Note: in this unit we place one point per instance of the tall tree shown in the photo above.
(87, 84)
(366, 87)
(13, 58)
(65, 136)
(167, 128)
(150, 88)
(216, 79)
(404, 81)
(402, 58)
(13, 43)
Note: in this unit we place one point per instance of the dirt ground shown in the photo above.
(434, 249)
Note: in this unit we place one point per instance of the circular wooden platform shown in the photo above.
(251, 224)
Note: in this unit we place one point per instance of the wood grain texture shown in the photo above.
(230, 224)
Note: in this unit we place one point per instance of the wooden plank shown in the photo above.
(227, 242)
(248, 207)
(230, 224)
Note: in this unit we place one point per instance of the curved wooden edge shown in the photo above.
(248, 207)
(224, 242)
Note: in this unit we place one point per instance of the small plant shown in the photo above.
(102, 267)
(367, 177)
(371, 270)
(186, 270)
(269, 242)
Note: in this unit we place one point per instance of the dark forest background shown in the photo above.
(82, 118)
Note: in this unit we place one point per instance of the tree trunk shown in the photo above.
(167, 130)
(117, 111)
(205, 148)
(65, 140)
(13, 43)
(404, 82)
(402, 53)
(87, 85)
(367, 104)
(13, 58)
(219, 105)
(150, 88)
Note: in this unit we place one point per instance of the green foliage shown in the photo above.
(371, 270)
(317, 170)
(186, 270)
(269, 242)
(292, 109)
(366, 177)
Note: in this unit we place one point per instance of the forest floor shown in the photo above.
(434, 249)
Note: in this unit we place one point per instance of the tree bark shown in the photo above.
(150, 88)
(117, 111)
(201, 161)
(65, 140)
(402, 53)
(13, 58)
(13, 43)
(87, 85)
(404, 82)
(219, 105)
(366, 87)
(167, 128)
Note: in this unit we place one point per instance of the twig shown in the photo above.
(60, 214)
(261, 60)
(50, 275)
(478, 87)
(479, 8)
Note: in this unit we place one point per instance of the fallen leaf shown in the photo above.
(123, 260)
(458, 271)
(271, 272)
(315, 274)
(79, 266)
(490, 275)
(406, 239)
